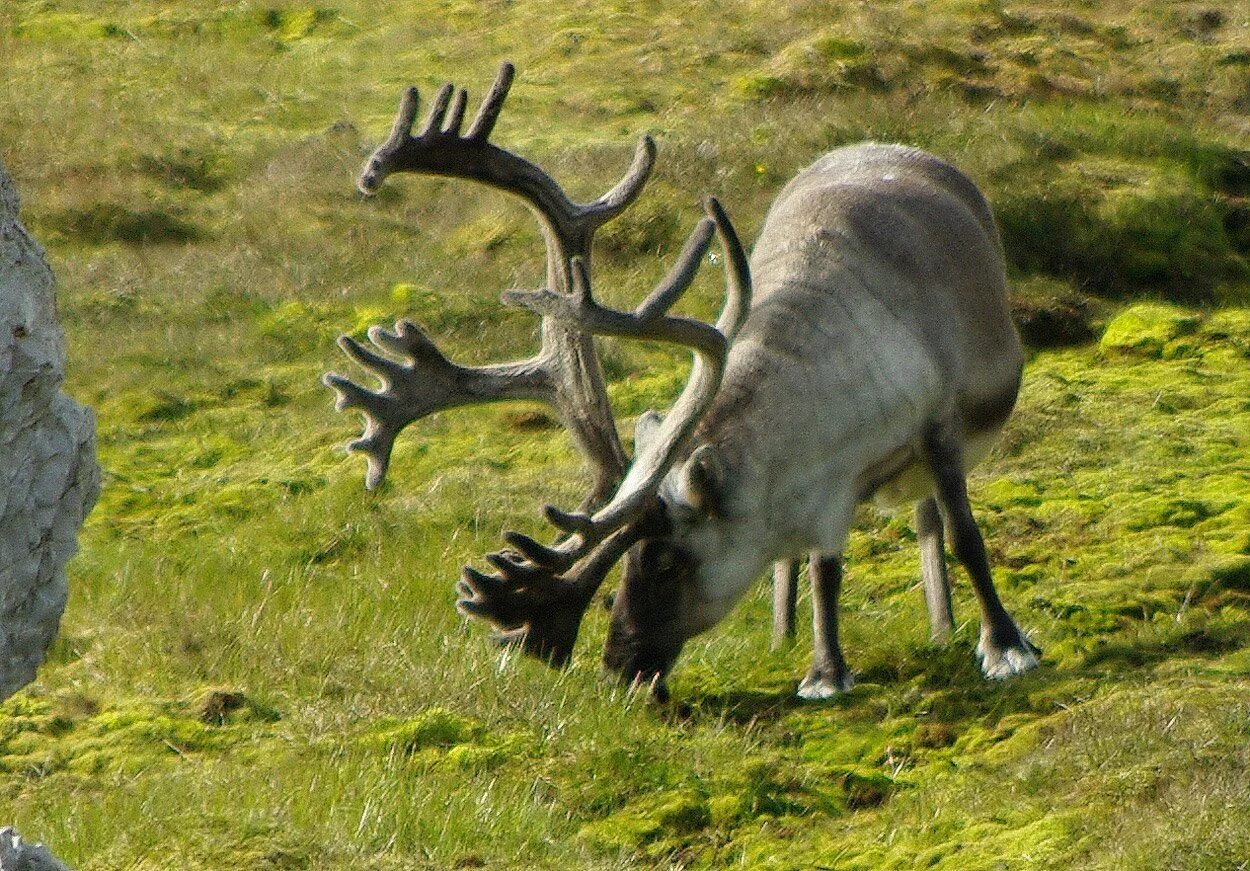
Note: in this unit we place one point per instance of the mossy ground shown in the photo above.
(260, 666)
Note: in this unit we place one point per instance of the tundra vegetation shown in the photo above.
(260, 665)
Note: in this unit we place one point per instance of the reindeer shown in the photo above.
(877, 360)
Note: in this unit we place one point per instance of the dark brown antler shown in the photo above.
(650, 320)
(440, 149)
(539, 593)
(533, 606)
(429, 382)
(566, 372)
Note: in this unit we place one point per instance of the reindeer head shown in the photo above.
(660, 602)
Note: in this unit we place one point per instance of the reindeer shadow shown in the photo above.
(943, 683)
(741, 707)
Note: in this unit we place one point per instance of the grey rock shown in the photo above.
(48, 474)
(17, 855)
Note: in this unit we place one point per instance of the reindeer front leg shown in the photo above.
(1003, 648)
(828, 675)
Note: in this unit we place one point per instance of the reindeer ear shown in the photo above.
(645, 429)
(703, 481)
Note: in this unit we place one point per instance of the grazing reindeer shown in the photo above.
(877, 360)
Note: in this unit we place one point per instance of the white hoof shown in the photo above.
(999, 663)
(820, 685)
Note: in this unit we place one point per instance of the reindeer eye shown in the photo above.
(659, 557)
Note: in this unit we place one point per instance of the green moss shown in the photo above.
(100, 223)
(1231, 326)
(1004, 492)
(436, 727)
(294, 23)
(725, 811)
(1116, 225)
(650, 227)
(160, 405)
(220, 706)
(45, 25)
(649, 819)
(297, 327)
(620, 832)
(682, 813)
(474, 756)
(865, 790)
(37, 740)
(1155, 511)
(206, 168)
(487, 235)
(1146, 329)
(826, 62)
(1050, 313)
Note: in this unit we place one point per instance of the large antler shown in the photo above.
(539, 594)
(566, 373)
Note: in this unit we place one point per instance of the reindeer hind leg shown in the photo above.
(785, 597)
(937, 584)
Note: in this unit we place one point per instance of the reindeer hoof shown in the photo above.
(825, 683)
(1001, 661)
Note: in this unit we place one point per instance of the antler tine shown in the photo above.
(559, 558)
(648, 321)
(384, 368)
(378, 438)
(488, 113)
(649, 469)
(452, 127)
(379, 165)
(581, 309)
(438, 110)
(737, 271)
(376, 446)
(406, 116)
(583, 534)
(440, 149)
(627, 189)
(681, 275)
(408, 340)
(574, 523)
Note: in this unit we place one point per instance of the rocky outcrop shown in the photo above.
(16, 855)
(48, 474)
